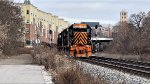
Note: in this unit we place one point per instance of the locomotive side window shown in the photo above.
(71, 32)
(88, 30)
(59, 36)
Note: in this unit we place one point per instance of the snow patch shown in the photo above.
(47, 77)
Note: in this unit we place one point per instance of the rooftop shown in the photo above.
(27, 2)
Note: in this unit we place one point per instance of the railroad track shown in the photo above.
(141, 68)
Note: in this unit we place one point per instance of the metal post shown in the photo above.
(36, 38)
(49, 38)
(96, 41)
(68, 43)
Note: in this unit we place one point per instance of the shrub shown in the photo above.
(69, 76)
(65, 71)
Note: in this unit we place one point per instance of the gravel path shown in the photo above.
(20, 70)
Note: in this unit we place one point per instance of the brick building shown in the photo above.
(38, 24)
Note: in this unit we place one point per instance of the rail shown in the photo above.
(134, 66)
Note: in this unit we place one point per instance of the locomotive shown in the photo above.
(76, 39)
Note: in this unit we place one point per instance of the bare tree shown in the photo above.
(137, 19)
(11, 26)
(146, 34)
(133, 37)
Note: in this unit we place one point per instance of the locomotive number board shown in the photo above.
(79, 26)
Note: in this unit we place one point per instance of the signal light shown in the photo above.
(96, 26)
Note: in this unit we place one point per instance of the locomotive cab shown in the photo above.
(77, 40)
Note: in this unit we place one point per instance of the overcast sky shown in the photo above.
(103, 11)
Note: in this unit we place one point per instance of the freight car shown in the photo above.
(76, 39)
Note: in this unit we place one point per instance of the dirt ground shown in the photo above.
(145, 58)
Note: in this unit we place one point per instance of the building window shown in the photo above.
(53, 35)
(48, 33)
(28, 21)
(125, 14)
(27, 11)
(27, 30)
(56, 29)
(44, 32)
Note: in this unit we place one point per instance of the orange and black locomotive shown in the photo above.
(76, 39)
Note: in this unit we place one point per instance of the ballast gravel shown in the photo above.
(112, 76)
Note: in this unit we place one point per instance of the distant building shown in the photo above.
(94, 30)
(106, 30)
(123, 16)
(115, 31)
(101, 31)
(92, 24)
(38, 23)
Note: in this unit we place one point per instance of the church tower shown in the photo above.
(123, 16)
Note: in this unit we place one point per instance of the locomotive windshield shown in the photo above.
(81, 30)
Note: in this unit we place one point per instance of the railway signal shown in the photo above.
(96, 26)
(50, 39)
